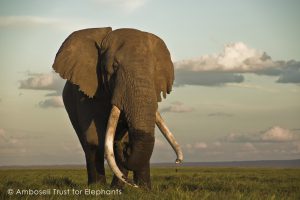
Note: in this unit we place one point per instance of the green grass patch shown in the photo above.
(186, 183)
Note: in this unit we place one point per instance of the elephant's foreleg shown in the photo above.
(120, 147)
(94, 156)
(116, 182)
(94, 165)
(142, 177)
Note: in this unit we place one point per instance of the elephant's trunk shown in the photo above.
(169, 136)
(110, 134)
(109, 140)
(135, 96)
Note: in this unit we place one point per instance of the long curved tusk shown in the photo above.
(109, 150)
(170, 137)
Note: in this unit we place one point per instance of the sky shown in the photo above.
(237, 76)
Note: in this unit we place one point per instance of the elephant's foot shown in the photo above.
(101, 179)
(116, 182)
(98, 179)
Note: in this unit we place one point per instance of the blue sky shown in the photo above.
(236, 94)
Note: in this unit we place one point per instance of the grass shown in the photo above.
(186, 183)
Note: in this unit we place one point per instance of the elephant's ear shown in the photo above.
(78, 58)
(164, 70)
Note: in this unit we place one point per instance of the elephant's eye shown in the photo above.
(115, 65)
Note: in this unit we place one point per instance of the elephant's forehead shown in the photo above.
(133, 38)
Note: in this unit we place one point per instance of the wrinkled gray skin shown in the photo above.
(127, 68)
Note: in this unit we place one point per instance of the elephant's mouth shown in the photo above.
(110, 135)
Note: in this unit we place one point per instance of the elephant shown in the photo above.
(114, 82)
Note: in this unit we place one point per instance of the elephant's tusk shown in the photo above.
(170, 137)
(109, 150)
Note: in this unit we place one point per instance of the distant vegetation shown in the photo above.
(186, 183)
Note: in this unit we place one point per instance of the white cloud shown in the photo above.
(5, 139)
(40, 81)
(296, 146)
(206, 78)
(195, 147)
(290, 72)
(252, 86)
(236, 57)
(177, 107)
(2, 135)
(28, 147)
(50, 81)
(271, 135)
(161, 144)
(249, 147)
(220, 114)
(126, 5)
(200, 145)
(73, 148)
(217, 143)
(277, 134)
(27, 21)
(241, 150)
(228, 66)
(55, 101)
(63, 24)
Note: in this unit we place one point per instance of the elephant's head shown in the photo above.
(134, 68)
